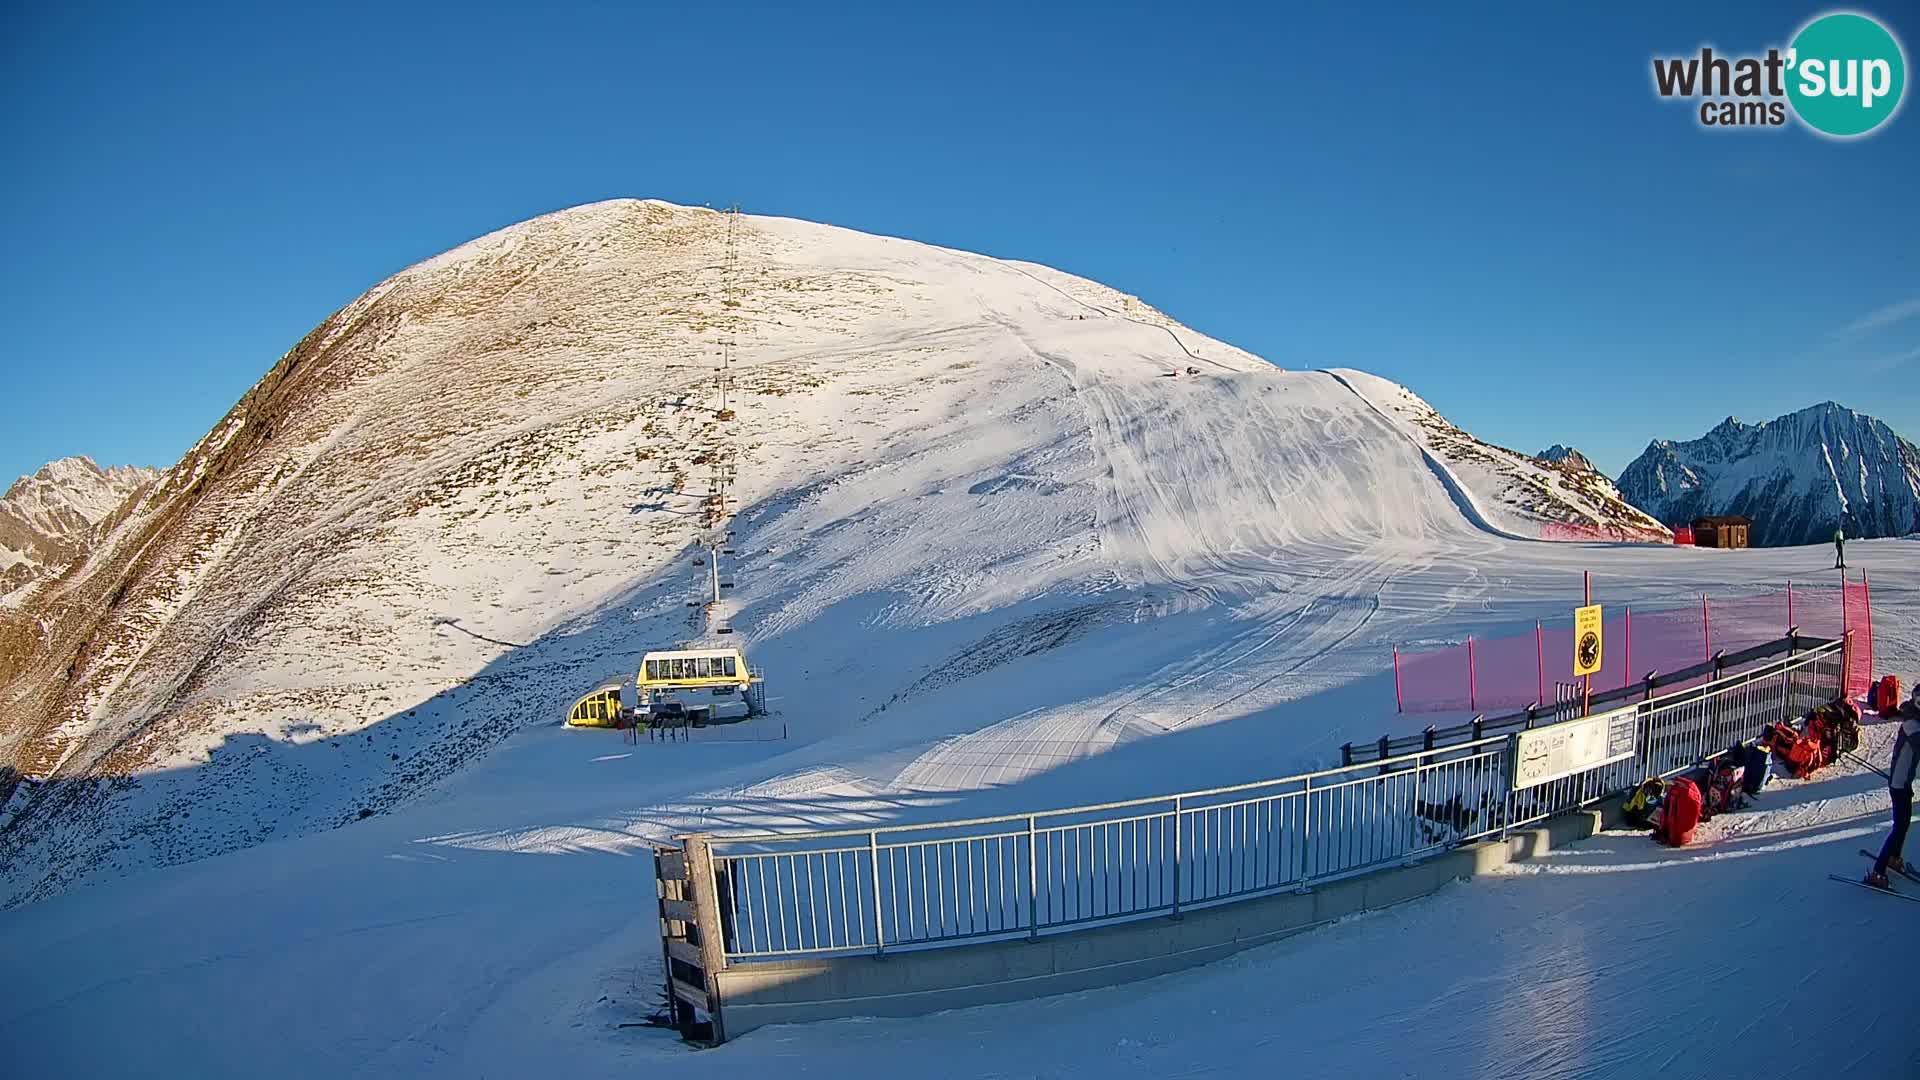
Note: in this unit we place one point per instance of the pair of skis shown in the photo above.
(1906, 872)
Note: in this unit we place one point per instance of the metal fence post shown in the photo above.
(873, 864)
(1178, 856)
(1506, 781)
(1413, 819)
(1306, 827)
(1033, 882)
(1472, 688)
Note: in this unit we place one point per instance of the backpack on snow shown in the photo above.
(1721, 786)
(1798, 751)
(1837, 723)
(1759, 767)
(1886, 695)
(1640, 806)
(1680, 813)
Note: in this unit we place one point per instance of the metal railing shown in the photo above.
(947, 883)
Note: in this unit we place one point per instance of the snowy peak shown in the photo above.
(50, 518)
(1798, 477)
(1566, 455)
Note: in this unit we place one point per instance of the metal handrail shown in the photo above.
(1371, 766)
(935, 884)
(961, 823)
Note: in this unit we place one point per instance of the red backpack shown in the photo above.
(1886, 695)
(1680, 813)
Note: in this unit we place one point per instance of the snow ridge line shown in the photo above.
(1457, 491)
(1191, 355)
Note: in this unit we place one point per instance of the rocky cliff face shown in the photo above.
(1798, 477)
(49, 519)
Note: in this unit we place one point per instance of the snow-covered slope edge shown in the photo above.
(1516, 494)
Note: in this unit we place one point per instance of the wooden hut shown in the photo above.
(1721, 531)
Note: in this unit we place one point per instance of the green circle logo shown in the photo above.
(1846, 74)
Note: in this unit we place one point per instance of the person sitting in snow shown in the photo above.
(1906, 755)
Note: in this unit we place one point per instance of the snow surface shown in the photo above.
(502, 928)
(993, 556)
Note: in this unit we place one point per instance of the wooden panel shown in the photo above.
(672, 865)
(684, 951)
(683, 910)
(713, 955)
(689, 993)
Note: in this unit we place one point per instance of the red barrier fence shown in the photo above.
(1515, 671)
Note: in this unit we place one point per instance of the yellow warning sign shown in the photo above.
(1586, 640)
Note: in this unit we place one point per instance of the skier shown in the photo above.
(1839, 550)
(1906, 754)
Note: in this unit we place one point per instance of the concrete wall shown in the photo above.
(916, 983)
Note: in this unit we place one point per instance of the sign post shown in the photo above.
(1588, 630)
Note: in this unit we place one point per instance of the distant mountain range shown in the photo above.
(49, 519)
(1798, 477)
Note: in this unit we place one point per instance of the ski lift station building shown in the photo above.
(599, 709)
(697, 686)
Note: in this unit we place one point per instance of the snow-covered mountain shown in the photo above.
(476, 491)
(1798, 477)
(1566, 455)
(998, 548)
(49, 518)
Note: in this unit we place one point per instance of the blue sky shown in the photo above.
(1488, 204)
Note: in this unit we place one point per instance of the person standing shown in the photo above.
(1906, 755)
(1839, 550)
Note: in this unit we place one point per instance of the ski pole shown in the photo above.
(1868, 764)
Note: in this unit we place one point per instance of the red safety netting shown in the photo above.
(1514, 671)
(1857, 608)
